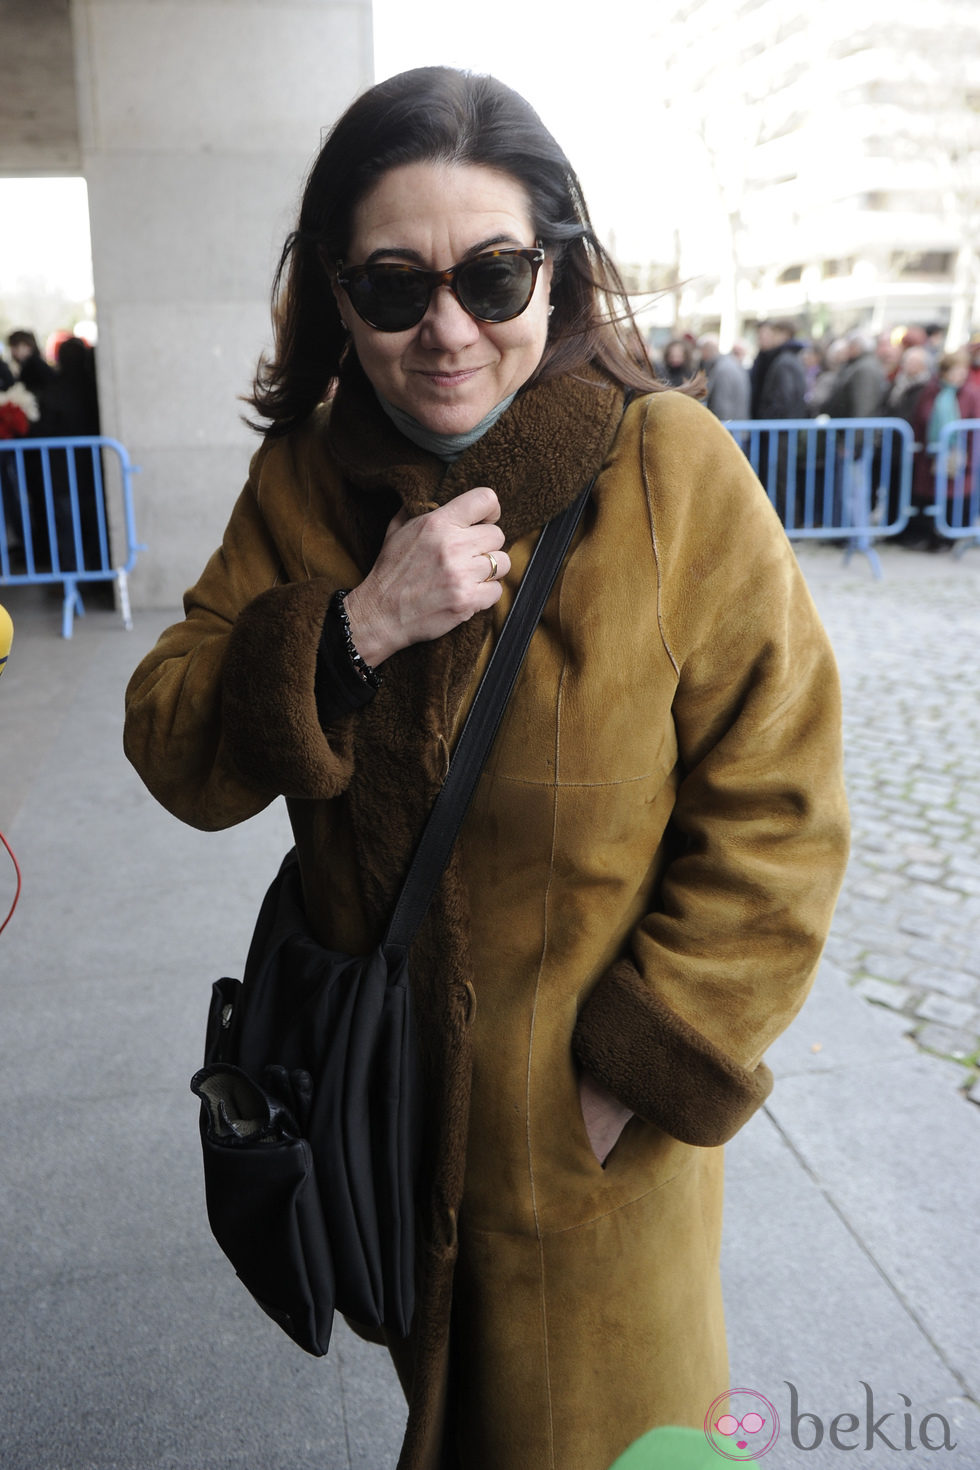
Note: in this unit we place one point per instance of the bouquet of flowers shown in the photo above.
(18, 410)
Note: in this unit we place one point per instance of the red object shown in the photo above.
(17, 893)
(13, 421)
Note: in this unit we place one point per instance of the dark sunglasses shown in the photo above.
(493, 287)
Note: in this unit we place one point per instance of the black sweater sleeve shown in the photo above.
(339, 688)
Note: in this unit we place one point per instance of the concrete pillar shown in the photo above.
(198, 120)
(38, 113)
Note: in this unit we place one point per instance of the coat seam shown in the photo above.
(530, 1055)
(581, 785)
(634, 1199)
(653, 539)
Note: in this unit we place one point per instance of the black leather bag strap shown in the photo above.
(482, 722)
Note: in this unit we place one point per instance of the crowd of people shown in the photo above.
(909, 376)
(61, 380)
(49, 394)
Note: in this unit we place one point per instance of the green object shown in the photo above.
(673, 1449)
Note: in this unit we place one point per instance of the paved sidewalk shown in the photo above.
(907, 928)
(851, 1249)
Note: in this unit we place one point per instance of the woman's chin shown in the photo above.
(452, 423)
(448, 418)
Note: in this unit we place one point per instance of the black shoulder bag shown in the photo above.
(310, 1103)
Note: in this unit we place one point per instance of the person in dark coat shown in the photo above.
(72, 399)
(778, 375)
(778, 392)
(37, 376)
(32, 370)
(8, 488)
(861, 385)
(901, 402)
(72, 411)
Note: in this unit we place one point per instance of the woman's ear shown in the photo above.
(340, 296)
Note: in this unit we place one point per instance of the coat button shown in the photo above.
(448, 1242)
(469, 1003)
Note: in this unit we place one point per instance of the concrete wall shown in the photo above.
(38, 110)
(197, 122)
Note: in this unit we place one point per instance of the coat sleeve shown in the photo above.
(221, 715)
(758, 837)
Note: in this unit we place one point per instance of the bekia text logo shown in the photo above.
(742, 1425)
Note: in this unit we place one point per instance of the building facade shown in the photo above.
(837, 160)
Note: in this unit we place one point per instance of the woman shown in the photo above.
(678, 363)
(645, 878)
(950, 396)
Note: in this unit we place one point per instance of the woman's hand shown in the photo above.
(431, 574)
(605, 1116)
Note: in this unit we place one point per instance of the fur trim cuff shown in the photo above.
(272, 730)
(660, 1066)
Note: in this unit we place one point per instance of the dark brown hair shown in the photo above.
(438, 115)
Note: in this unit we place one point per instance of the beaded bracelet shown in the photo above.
(369, 675)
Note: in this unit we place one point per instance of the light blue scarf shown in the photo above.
(945, 410)
(447, 446)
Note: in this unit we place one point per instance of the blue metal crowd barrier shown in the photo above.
(829, 479)
(956, 506)
(64, 501)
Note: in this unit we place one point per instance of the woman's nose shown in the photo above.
(447, 326)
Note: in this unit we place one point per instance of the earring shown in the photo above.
(551, 311)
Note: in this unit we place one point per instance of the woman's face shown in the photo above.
(450, 370)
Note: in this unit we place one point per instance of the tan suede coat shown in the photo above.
(642, 887)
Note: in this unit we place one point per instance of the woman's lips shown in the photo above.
(449, 379)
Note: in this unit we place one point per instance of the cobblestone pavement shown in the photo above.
(907, 928)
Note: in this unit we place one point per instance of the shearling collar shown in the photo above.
(537, 456)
